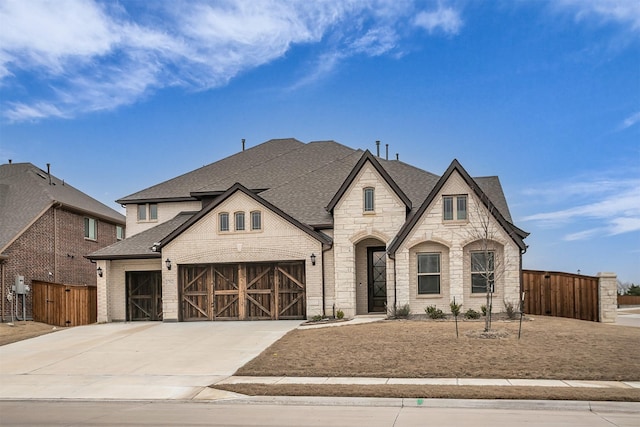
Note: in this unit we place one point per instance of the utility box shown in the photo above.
(19, 286)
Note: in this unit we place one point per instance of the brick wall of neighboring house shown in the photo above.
(54, 253)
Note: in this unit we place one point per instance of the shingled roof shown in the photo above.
(26, 192)
(300, 179)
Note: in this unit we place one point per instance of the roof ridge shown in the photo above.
(323, 165)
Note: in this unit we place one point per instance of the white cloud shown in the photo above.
(630, 121)
(444, 18)
(86, 55)
(626, 12)
(613, 205)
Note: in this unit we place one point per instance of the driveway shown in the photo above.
(628, 317)
(147, 360)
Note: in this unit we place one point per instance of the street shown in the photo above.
(375, 413)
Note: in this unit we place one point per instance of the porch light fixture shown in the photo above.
(99, 270)
(313, 259)
(168, 263)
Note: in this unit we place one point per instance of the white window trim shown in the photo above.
(439, 274)
(87, 223)
(373, 200)
(454, 206)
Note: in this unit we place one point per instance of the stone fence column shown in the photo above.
(608, 297)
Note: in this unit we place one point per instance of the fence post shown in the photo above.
(607, 297)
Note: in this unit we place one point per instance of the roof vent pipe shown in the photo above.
(397, 156)
(242, 144)
(49, 172)
(10, 161)
(378, 148)
(387, 155)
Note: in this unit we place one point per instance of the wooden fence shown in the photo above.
(561, 294)
(628, 300)
(64, 305)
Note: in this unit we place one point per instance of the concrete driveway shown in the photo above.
(148, 360)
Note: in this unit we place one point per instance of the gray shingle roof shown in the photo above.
(139, 245)
(26, 192)
(299, 179)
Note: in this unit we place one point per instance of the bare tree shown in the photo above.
(488, 261)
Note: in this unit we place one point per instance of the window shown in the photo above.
(151, 209)
(153, 212)
(256, 220)
(239, 217)
(90, 229)
(119, 232)
(428, 274)
(482, 274)
(460, 213)
(368, 199)
(224, 221)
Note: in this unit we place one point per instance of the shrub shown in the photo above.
(483, 308)
(316, 318)
(340, 314)
(455, 308)
(434, 313)
(471, 314)
(510, 309)
(402, 312)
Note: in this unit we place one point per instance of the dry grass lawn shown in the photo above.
(22, 331)
(550, 348)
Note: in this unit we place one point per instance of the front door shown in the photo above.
(377, 278)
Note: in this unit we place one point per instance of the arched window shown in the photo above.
(223, 218)
(256, 220)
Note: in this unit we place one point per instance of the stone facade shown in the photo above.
(454, 241)
(608, 297)
(352, 225)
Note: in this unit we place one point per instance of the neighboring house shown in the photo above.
(288, 230)
(47, 227)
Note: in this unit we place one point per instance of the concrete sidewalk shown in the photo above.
(429, 381)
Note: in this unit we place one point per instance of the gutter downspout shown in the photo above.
(324, 303)
(395, 283)
(3, 290)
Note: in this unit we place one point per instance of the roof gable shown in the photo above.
(237, 187)
(368, 157)
(516, 234)
(26, 192)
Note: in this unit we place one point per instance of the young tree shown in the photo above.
(488, 261)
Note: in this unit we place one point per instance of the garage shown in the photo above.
(245, 291)
(144, 295)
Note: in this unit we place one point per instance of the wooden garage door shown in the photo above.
(144, 295)
(255, 291)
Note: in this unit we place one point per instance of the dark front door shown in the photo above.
(377, 278)
(144, 295)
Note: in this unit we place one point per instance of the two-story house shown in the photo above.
(290, 230)
(47, 227)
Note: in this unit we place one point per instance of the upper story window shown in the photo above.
(428, 273)
(148, 210)
(90, 228)
(369, 197)
(239, 220)
(482, 271)
(119, 232)
(454, 208)
(256, 220)
(224, 221)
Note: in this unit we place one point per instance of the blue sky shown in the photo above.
(118, 96)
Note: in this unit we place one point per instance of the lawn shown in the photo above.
(549, 348)
(19, 330)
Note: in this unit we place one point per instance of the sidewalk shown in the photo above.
(429, 381)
